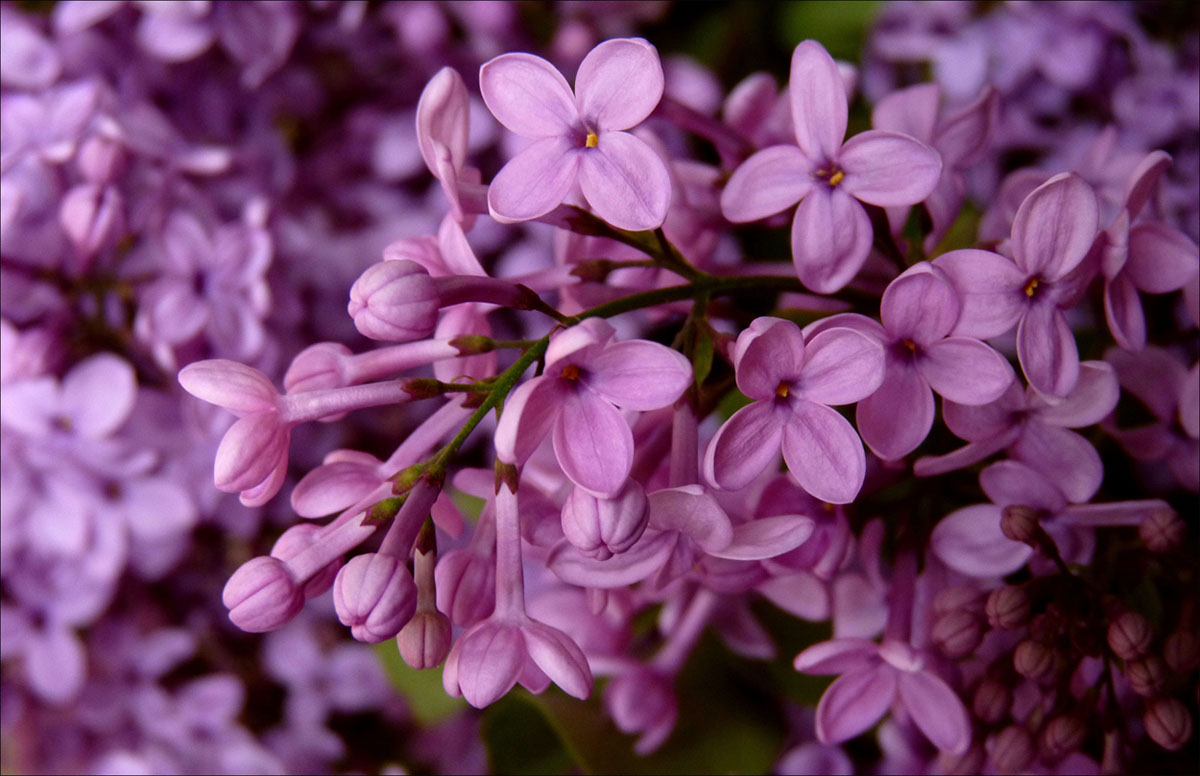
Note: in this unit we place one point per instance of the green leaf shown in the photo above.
(702, 358)
(423, 689)
(520, 740)
(840, 26)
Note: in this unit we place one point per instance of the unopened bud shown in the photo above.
(1012, 750)
(473, 344)
(1008, 607)
(1045, 627)
(1162, 530)
(1168, 723)
(374, 596)
(603, 527)
(394, 301)
(957, 633)
(969, 762)
(425, 640)
(1182, 651)
(1034, 660)
(1147, 676)
(1130, 636)
(957, 598)
(296, 540)
(262, 595)
(1020, 523)
(318, 367)
(1060, 737)
(992, 701)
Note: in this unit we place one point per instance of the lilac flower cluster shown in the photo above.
(612, 407)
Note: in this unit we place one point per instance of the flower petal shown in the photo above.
(1123, 312)
(970, 541)
(691, 510)
(837, 656)
(528, 95)
(1012, 482)
(529, 413)
(920, 306)
(639, 562)
(745, 445)
(824, 453)
(831, 238)
(639, 374)
(241, 389)
(895, 419)
(535, 181)
(989, 287)
(619, 84)
(855, 702)
(767, 183)
(98, 395)
(965, 370)
(1055, 227)
(1161, 258)
(1064, 457)
(841, 366)
(625, 182)
(936, 710)
(766, 537)
(593, 443)
(1047, 351)
(818, 100)
(443, 112)
(555, 653)
(484, 664)
(888, 169)
(768, 352)
(912, 111)
(1095, 396)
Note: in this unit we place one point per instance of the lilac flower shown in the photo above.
(580, 137)
(793, 383)
(918, 312)
(831, 233)
(875, 677)
(586, 374)
(1053, 231)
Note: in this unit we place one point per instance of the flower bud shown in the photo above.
(956, 598)
(1060, 737)
(1045, 626)
(603, 527)
(957, 633)
(1012, 750)
(1008, 607)
(394, 301)
(1130, 636)
(425, 640)
(1020, 523)
(262, 595)
(1034, 660)
(296, 540)
(1162, 530)
(642, 701)
(316, 368)
(1168, 723)
(466, 585)
(100, 159)
(1182, 651)
(992, 701)
(374, 596)
(91, 216)
(967, 763)
(1147, 676)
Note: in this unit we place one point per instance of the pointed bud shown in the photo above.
(374, 596)
(318, 367)
(1147, 676)
(1020, 523)
(1034, 661)
(957, 633)
(603, 527)
(956, 598)
(1060, 737)
(425, 640)
(296, 540)
(970, 762)
(1182, 651)
(1008, 607)
(262, 595)
(992, 701)
(1168, 723)
(1012, 750)
(1130, 636)
(394, 301)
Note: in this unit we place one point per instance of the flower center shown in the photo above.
(831, 175)
(570, 372)
(781, 390)
(592, 140)
(1031, 287)
(909, 344)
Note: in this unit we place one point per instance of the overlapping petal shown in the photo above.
(745, 445)
(241, 389)
(1064, 457)
(528, 95)
(841, 366)
(989, 287)
(897, 417)
(936, 709)
(888, 169)
(1012, 482)
(1047, 351)
(855, 702)
(1095, 395)
(559, 657)
(1055, 227)
(831, 238)
(593, 443)
(768, 352)
(767, 183)
(639, 374)
(965, 370)
(535, 181)
(625, 182)
(838, 656)
(920, 306)
(1161, 258)
(824, 453)
(690, 510)
(619, 84)
(529, 414)
(970, 541)
(766, 537)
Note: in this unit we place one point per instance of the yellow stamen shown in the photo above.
(570, 372)
(836, 178)
(592, 140)
(910, 345)
(1031, 286)
(782, 390)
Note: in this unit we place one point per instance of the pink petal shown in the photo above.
(625, 182)
(1154, 376)
(1189, 403)
(920, 306)
(238, 388)
(1144, 179)
(639, 374)
(984, 423)
(627, 568)
(443, 112)
(888, 169)
(818, 100)
(766, 537)
(535, 181)
(484, 664)
(838, 656)
(990, 289)
(1064, 457)
(912, 111)
(1115, 514)
(1123, 312)
(801, 594)
(770, 351)
(619, 84)
(897, 417)
(529, 413)
(824, 453)
(332, 487)
(578, 343)
(98, 394)
(1012, 482)
(831, 237)
(1094, 397)
(1055, 227)
(559, 657)
(841, 366)
(692, 511)
(249, 452)
(970, 541)
(767, 183)
(964, 138)
(1046, 349)
(1161, 258)
(528, 96)
(855, 702)
(593, 443)
(936, 710)
(965, 370)
(56, 665)
(974, 452)
(746, 445)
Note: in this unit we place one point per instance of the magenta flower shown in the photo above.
(1052, 234)
(580, 137)
(918, 311)
(831, 233)
(587, 377)
(793, 383)
(873, 678)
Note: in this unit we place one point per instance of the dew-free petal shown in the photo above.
(1161, 258)
(238, 388)
(619, 84)
(855, 702)
(528, 95)
(1055, 227)
(936, 710)
(888, 169)
(970, 541)
(837, 656)
(625, 182)
(965, 370)
(98, 394)
(831, 238)
(1012, 482)
(768, 352)
(745, 445)
(1064, 457)
(841, 366)
(912, 111)
(1047, 351)
(818, 100)
(989, 287)
(920, 306)
(1094, 397)
(593, 443)
(767, 537)
(559, 657)
(767, 183)
(690, 510)
(896, 418)
(1124, 314)
(824, 453)
(535, 181)
(529, 414)
(443, 112)
(639, 374)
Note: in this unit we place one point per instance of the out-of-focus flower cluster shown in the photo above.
(655, 358)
